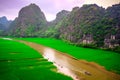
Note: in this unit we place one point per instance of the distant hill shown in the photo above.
(30, 22)
(60, 16)
(4, 24)
(53, 26)
(78, 27)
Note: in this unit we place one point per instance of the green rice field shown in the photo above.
(20, 62)
(110, 60)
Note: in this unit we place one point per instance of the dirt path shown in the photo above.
(77, 69)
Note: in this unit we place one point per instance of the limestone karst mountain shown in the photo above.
(89, 25)
(29, 22)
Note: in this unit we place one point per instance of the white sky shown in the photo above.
(10, 8)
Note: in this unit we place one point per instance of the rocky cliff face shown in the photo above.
(29, 22)
(77, 28)
(61, 15)
(112, 39)
(94, 25)
(53, 26)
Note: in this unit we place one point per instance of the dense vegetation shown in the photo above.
(110, 60)
(20, 62)
(53, 27)
(92, 26)
(89, 26)
(30, 22)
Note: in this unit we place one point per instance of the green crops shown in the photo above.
(110, 60)
(20, 62)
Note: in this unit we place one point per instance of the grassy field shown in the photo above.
(20, 62)
(110, 60)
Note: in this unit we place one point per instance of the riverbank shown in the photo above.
(109, 60)
(77, 69)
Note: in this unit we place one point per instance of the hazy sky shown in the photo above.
(10, 8)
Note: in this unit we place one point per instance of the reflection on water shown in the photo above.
(66, 71)
(77, 69)
(50, 55)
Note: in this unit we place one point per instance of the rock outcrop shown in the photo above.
(53, 26)
(29, 22)
(112, 39)
(77, 28)
(94, 25)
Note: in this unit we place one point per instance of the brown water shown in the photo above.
(77, 69)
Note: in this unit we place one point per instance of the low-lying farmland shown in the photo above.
(20, 62)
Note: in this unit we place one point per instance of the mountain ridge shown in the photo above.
(88, 26)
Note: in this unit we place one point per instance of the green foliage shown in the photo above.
(30, 21)
(29, 31)
(92, 45)
(117, 49)
(72, 26)
(91, 20)
(1, 32)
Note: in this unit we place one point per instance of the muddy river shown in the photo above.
(68, 65)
